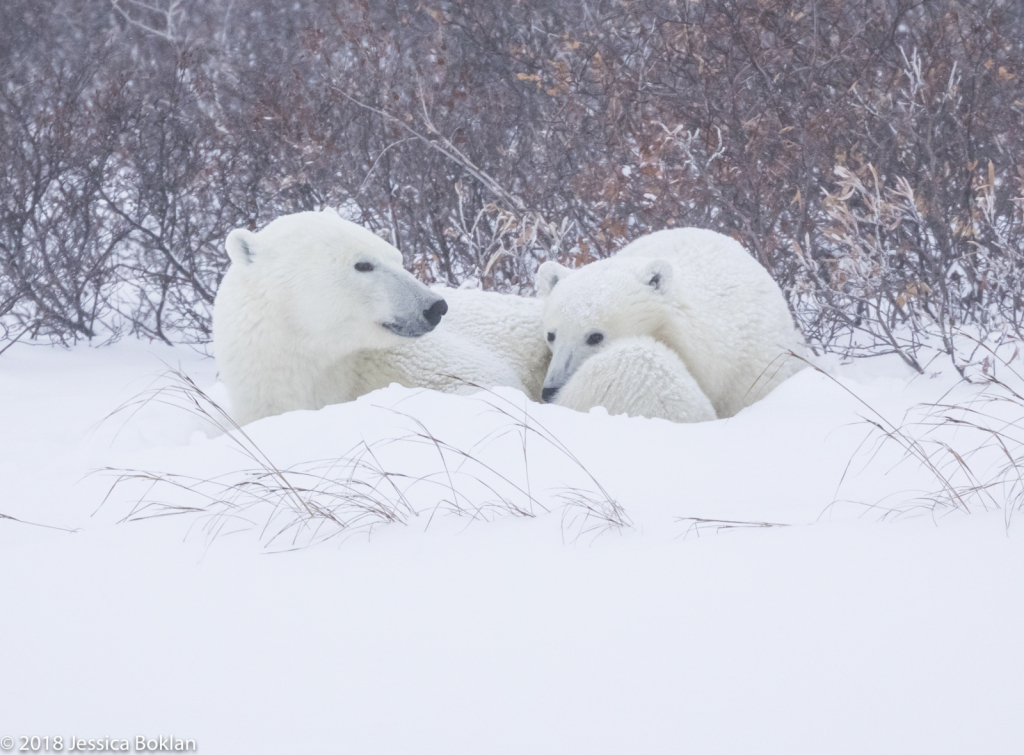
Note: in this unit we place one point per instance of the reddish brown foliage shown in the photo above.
(482, 137)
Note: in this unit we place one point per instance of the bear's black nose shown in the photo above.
(436, 312)
(548, 393)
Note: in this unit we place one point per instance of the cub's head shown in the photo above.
(333, 281)
(588, 308)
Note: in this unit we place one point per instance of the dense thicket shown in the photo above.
(868, 152)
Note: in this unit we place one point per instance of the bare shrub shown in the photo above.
(867, 152)
(58, 249)
(908, 256)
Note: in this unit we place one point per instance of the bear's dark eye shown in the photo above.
(551, 337)
(594, 339)
(364, 267)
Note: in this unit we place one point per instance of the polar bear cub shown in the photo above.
(697, 292)
(639, 377)
(316, 310)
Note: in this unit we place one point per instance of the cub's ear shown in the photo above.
(658, 275)
(548, 275)
(241, 246)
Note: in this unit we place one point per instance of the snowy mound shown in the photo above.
(486, 574)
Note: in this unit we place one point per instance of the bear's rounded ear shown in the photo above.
(548, 275)
(658, 275)
(241, 246)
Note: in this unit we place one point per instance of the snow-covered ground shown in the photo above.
(470, 627)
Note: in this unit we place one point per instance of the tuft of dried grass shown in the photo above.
(974, 451)
(312, 502)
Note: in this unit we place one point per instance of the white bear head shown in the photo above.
(333, 283)
(588, 308)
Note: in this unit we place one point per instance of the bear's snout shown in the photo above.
(548, 393)
(436, 311)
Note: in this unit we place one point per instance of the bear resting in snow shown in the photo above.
(639, 377)
(695, 291)
(316, 310)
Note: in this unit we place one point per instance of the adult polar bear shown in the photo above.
(695, 291)
(316, 310)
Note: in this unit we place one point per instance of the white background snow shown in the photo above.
(843, 633)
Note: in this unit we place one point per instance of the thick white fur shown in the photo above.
(639, 377)
(696, 291)
(297, 327)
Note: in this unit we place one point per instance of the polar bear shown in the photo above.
(696, 291)
(315, 310)
(485, 340)
(639, 377)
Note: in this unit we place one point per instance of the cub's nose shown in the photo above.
(548, 393)
(436, 311)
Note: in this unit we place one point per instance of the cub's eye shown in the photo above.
(551, 337)
(364, 267)
(594, 339)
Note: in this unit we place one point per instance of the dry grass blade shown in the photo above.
(37, 524)
(700, 523)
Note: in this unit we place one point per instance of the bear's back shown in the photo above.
(704, 257)
(734, 326)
